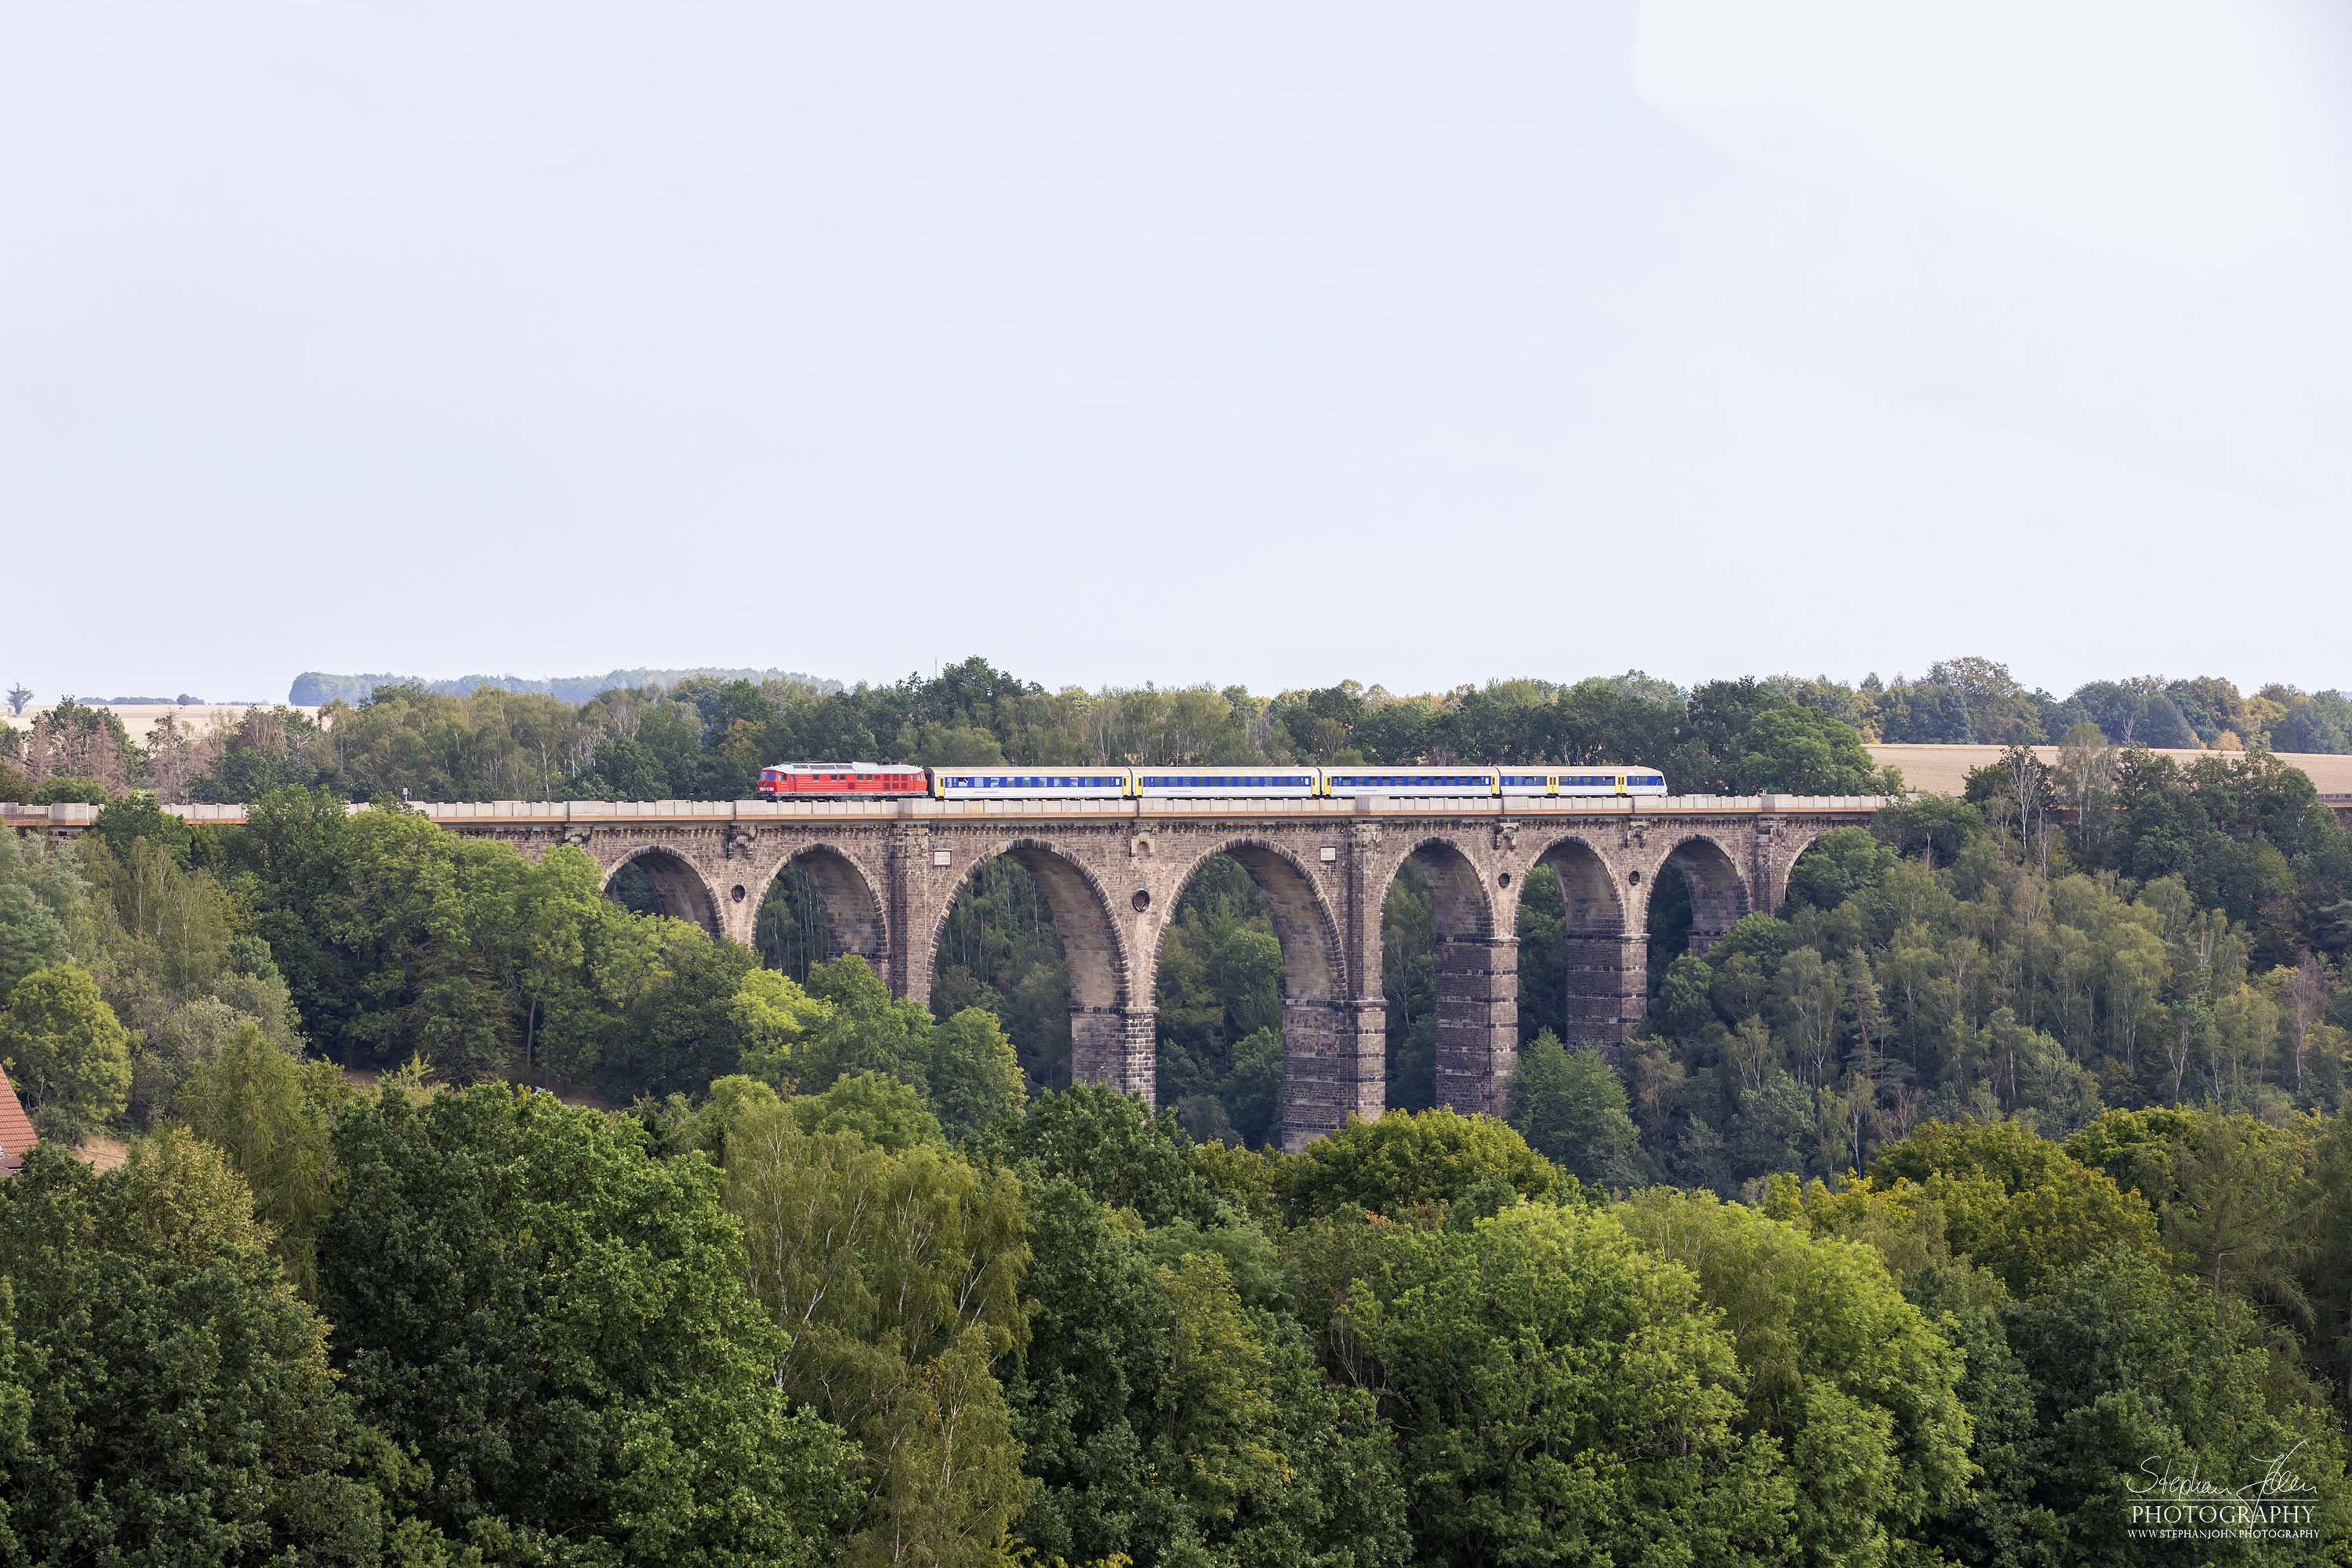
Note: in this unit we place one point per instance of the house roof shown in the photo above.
(15, 1129)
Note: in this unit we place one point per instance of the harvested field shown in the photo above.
(1944, 770)
(138, 718)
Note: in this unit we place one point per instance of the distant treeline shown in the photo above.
(316, 688)
(705, 736)
(1959, 702)
(1963, 700)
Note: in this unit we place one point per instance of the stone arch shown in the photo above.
(1477, 974)
(1110, 1028)
(1605, 950)
(1322, 1078)
(1719, 893)
(1463, 906)
(1589, 896)
(1787, 845)
(1312, 963)
(849, 908)
(678, 889)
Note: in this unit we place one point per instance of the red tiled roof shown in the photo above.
(15, 1129)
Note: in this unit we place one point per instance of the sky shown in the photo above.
(1240, 343)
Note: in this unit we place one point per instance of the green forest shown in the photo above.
(1995, 1187)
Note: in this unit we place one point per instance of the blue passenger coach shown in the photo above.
(1264, 781)
(1068, 781)
(1382, 778)
(1522, 780)
(1559, 778)
(1610, 781)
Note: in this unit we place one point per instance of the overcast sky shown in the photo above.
(1271, 344)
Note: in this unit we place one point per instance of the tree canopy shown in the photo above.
(557, 1323)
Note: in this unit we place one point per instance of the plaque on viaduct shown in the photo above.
(887, 873)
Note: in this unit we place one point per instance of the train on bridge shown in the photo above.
(1257, 781)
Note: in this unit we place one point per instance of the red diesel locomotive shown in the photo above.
(803, 781)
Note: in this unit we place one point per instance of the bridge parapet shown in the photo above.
(73, 817)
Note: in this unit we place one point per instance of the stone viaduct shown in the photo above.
(887, 873)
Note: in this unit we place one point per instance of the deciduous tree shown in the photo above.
(1427, 1160)
(1562, 1395)
(171, 1398)
(557, 1323)
(894, 1276)
(1859, 1387)
(1570, 1107)
(67, 1054)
